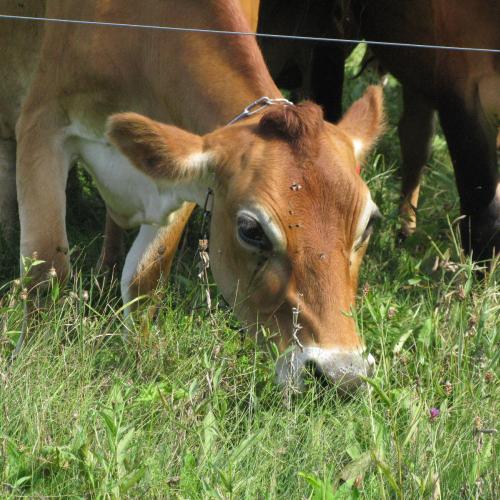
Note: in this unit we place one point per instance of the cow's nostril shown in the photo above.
(314, 371)
(311, 367)
(345, 372)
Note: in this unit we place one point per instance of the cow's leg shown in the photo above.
(42, 171)
(112, 246)
(471, 140)
(8, 199)
(150, 258)
(416, 131)
(327, 79)
(41, 174)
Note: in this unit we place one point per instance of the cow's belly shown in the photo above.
(132, 197)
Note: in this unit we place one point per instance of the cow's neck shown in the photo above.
(223, 102)
(212, 77)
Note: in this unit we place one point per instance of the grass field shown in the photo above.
(186, 406)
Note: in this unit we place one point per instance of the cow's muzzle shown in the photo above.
(343, 368)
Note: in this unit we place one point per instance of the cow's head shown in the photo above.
(290, 222)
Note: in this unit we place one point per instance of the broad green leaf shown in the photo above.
(357, 468)
(130, 480)
(123, 445)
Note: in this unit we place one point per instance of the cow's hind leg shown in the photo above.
(416, 131)
(150, 258)
(8, 199)
(471, 139)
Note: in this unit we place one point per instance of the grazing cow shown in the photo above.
(464, 89)
(290, 216)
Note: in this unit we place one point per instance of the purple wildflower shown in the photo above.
(434, 413)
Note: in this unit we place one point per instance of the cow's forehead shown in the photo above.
(271, 170)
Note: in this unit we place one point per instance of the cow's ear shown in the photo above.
(364, 121)
(163, 152)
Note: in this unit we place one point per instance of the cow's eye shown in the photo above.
(251, 234)
(374, 217)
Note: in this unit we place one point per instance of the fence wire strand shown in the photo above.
(247, 33)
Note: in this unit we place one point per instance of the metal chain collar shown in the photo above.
(204, 263)
(256, 106)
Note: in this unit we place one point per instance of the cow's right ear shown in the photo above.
(364, 121)
(163, 152)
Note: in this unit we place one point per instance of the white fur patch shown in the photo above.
(133, 197)
(137, 251)
(358, 148)
(199, 161)
(340, 365)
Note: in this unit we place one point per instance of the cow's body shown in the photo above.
(268, 173)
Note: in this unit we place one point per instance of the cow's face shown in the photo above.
(290, 222)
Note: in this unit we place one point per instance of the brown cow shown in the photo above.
(464, 88)
(290, 219)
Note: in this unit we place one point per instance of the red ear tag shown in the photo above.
(358, 168)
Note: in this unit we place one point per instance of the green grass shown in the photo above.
(186, 406)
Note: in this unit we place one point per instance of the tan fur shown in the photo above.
(300, 125)
(251, 9)
(363, 117)
(159, 150)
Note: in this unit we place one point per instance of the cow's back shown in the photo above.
(459, 23)
(20, 42)
(251, 9)
(93, 71)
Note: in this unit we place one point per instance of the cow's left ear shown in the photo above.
(364, 121)
(163, 152)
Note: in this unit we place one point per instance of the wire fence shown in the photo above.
(248, 33)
